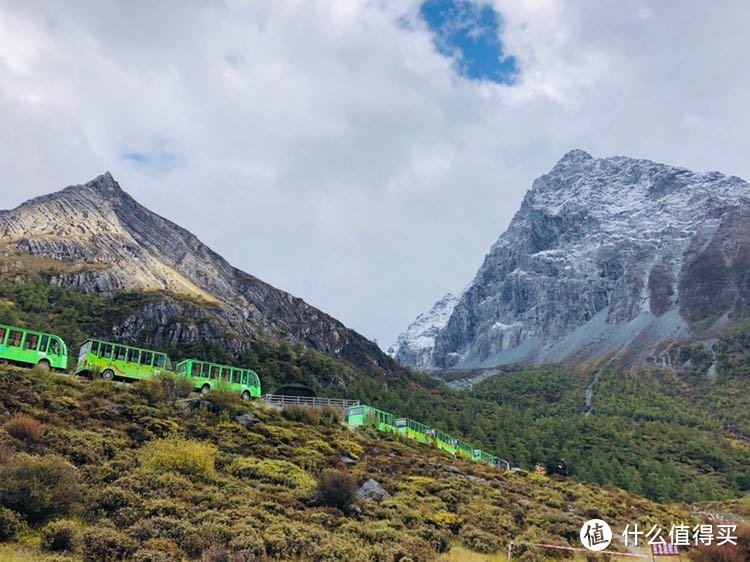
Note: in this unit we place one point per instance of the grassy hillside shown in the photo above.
(149, 472)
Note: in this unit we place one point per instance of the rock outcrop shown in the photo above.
(603, 255)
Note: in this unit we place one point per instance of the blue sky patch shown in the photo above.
(156, 160)
(469, 32)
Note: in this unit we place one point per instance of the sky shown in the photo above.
(360, 154)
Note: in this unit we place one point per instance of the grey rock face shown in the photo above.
(604, 254)
(371, 490)
(119, 245)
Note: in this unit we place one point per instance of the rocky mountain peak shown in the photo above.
(414, 346)
(605, 254)
(105, 184)
(109, 243)
(574, 157)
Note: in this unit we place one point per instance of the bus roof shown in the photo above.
(8, 326)
(122, 345)
(215, 364)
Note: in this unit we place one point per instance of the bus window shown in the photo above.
(214, 372)
(120, 353)
(94, 347)
(43, 344)
(195, 369)
(133, 355)
(30, 341)
(54, 346)
(2, 335)
(243, 379)
(105, 351)
(160, 360)
(235, 376)
(14, 338)
(146, 358)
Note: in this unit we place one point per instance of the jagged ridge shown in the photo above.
(604, 254)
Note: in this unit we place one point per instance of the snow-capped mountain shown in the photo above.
(414, 346)
(604, 254)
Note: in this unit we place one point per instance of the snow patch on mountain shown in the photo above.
(415, 345)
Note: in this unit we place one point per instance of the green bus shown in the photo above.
(34, 348)
(122, 361)
(210, 376)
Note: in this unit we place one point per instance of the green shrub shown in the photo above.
(160, 528)
(274, 471)
(289, 540)
(163, 388)
(330, 416)
(248, 542)
(302, 414)
(39, 487)
(109, 500)
(479, 541)
(104, 544)
(59, 536)
(225, 401)
(11, 524)
(336, 488)
(191, 458)
(24, 428)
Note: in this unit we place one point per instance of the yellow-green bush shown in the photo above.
(191, 458)
(309, 459)
(274, 471)
(350, 448)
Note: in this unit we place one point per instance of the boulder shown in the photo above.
(371, 490)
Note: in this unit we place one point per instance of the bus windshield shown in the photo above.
(84, 349)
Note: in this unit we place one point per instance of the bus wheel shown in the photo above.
(108, 374)
(246, 395)
(206, 390)
(43, 364)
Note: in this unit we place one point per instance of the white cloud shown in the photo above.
(331, 151)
